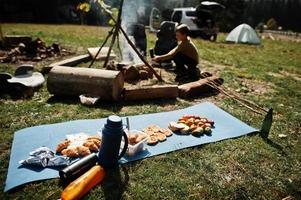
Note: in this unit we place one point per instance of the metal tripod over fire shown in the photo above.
(114, 33)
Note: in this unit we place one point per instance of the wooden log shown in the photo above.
(10, 41)
(152, 92)
(131, 73)
(199, 87)
(68, 62)
(72, 61)
(102, 54)
(66, 81)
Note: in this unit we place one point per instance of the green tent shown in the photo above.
(243, 34)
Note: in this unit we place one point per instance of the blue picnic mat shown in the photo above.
(28, 139)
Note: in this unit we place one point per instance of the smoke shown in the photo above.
(132, 11)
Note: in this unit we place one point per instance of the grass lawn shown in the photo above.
(243, 168)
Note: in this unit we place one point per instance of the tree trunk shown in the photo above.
(66, 81)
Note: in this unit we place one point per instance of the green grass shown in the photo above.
(242, 168)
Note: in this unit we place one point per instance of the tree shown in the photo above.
(1, 35)
(272, 24)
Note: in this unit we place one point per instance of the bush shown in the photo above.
(272, 24)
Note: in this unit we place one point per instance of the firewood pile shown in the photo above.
(35, 50)
(131, 72)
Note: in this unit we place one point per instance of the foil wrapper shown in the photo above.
(45, 157)
(58, 161)
(35, 161)
(42, 151)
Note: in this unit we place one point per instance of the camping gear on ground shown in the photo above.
(4, 85)
(166, 41)
(78, 168)
(45, 157)
(66, 81)
(244, 34)
(25, 76)
(166, 38)
(226, 127)
(83, 184)
(23, 83)
(112, 134)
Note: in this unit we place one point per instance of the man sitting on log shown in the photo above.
(185, 55)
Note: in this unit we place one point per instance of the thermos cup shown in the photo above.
(112, 134)
(78, 168)
(151, 53)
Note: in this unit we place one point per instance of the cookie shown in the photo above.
(83, 151)
(167, 132)
(91, 146)
(70, 152)
(62, 145)
(161, 137)
(152, 140)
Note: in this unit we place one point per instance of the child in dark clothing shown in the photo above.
(184, 55)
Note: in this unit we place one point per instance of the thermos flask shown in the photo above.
(112, 134)
(76, 169)
(151, 53)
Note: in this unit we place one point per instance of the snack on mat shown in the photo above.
(137, 142)
(135, 138)
(83, 151)
(70, 152)
(62, 145)
(192, 124)
(156, 134)
(79, 145)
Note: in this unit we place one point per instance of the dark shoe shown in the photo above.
(181, 70)
(194, 78)
(194, 74)
(181, 77)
